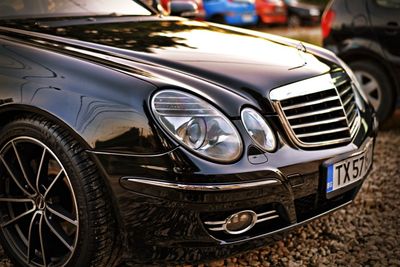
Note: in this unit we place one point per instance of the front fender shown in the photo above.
(106, 108)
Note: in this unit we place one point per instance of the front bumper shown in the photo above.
(163, 215)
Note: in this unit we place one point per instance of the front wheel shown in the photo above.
(53, 205)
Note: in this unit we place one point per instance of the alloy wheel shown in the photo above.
(371, 87)
(38, 207)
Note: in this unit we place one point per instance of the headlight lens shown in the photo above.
(197, 125)
(259, 129)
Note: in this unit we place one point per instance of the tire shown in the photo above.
(54, 208)
(377, 86)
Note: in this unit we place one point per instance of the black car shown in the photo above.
(128, 136)
(366, 35)
(301, 13)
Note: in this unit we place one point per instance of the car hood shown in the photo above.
(231, 58)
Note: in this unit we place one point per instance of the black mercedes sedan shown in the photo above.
(126, 136)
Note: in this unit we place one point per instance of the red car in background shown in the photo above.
(271, 11)
(166, 5)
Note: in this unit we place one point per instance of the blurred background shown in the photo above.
(365, 34)
(298, 19)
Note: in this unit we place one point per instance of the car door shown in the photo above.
(385, 21)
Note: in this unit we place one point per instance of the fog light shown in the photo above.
(240, 222)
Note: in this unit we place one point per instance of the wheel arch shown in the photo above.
(11, 112)
(14, 111)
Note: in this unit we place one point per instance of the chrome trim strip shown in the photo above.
(339, 83)
(313, 85)
(318, 123)
(258, 219)
(353, 118)
(295, 225)
(214, 223)
(267, 218)
(347, 101)
(203, 187)
(308, 114)
(266, 213)
(216, 229)
(326, 99)
(350, 109)
(323, 132)
(356, 126)
(345, 91)
(179, 109)
(174, 103)
(105, 153)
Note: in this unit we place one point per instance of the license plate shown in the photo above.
(247, 18)
(350, 170)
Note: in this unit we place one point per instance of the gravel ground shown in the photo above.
(362, 234)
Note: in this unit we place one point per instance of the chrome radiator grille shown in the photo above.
(319, 111)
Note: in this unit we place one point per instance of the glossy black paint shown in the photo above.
(96, 76)
(368, 31)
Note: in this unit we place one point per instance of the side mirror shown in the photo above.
(187, 9)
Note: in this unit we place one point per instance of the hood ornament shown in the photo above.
(301, 48)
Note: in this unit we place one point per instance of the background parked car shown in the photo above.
(188, 8)
(235, 12)
(366, 35)
(271, 11)
(300, 13)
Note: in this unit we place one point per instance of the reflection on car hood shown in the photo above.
(223, 55)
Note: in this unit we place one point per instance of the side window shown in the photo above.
(389, 3)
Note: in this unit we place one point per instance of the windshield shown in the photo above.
(66, 8)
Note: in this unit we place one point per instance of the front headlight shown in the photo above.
(258, 129)
(197, 125)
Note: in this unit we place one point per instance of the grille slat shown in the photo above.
(314, 113)
(340, 81)
(319, 111)
(343, 92)
(348, 100)
(350, 109)
(311, 103)
(352, 118)
(323, 132)
(318, 123)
